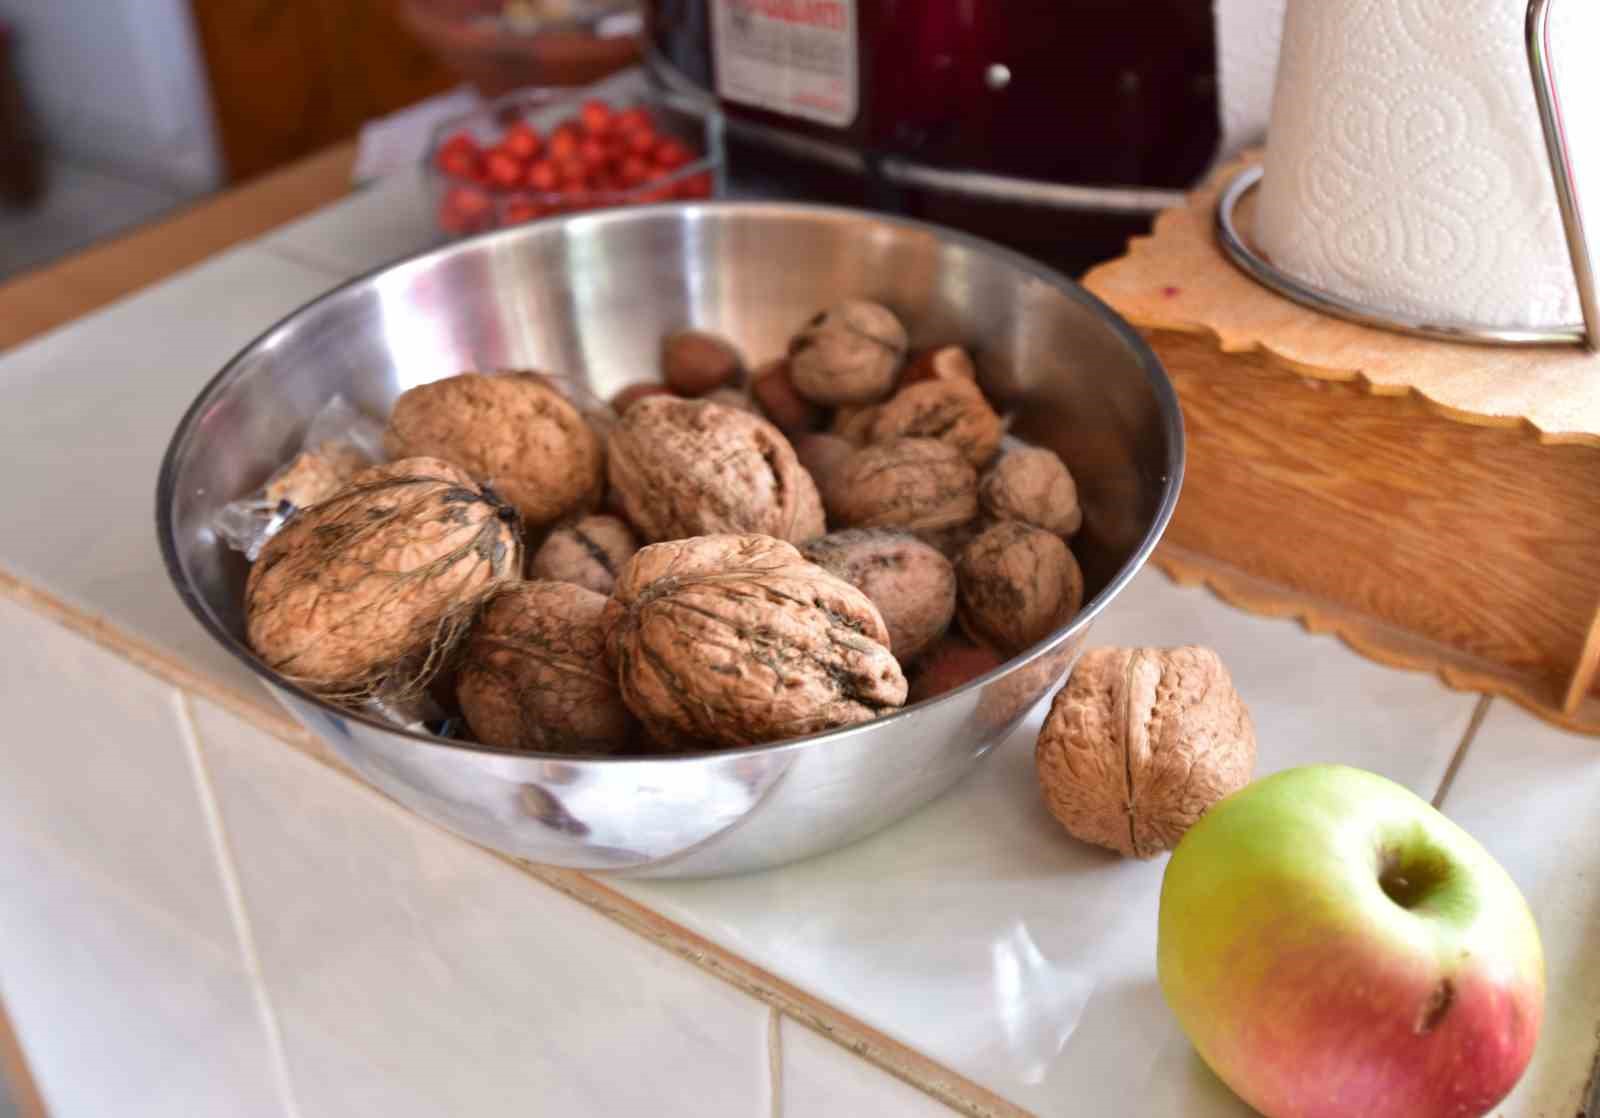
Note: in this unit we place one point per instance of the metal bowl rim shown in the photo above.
(1161, 387)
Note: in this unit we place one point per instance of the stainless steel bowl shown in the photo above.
(590, 296)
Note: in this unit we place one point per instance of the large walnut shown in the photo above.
(1140, 743)
(535, 677)
(588, 552)
(1018, 585)
(1032, 485)
(913, 586)
(512, 430)
(735, 640)
(848, 354)
(953, 410)
(912, 484)
(690, 468)
(381, 577)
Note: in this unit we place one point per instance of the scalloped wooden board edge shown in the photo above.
(1177, 279)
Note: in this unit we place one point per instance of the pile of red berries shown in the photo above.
(601, 157)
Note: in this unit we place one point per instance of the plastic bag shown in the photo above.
(339, 442)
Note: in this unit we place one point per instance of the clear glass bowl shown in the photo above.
(472, 191)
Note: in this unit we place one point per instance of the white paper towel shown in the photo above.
(1406, 168)
(1248, 32)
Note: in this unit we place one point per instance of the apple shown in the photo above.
(1334, 947)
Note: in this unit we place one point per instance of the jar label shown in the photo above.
(795, 57)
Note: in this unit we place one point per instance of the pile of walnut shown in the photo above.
(724, 557)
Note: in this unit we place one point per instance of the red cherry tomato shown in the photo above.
(522, 141)
(564, 142)
(519, 210)
(465, 209)
(695, 186)
(504, 169)
(672, 154)
(638, 117)
(571, 173)
(636, 170)
(458, 156)
(542, 177)
(597, 116)
(642, 141)
(593, 152)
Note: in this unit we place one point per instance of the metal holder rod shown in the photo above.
(1587, 333)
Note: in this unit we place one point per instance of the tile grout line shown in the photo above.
(775, 1059)
(234, 892)
(1480, 711)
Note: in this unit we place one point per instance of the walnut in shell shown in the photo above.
(952, 410)
(1018, 584)
(512, 430)
(853, 422)
(735, 640)
(822, 455)
(694, 362)
(1032, 485)
(848, 354)
(951, 663)
(386, 572)
(913, 586)
(316, 474)
(692, 468)
(627, 397)
(949, 362)
(1140, 743)
(534, 676)
(588, 552)
(915, 485)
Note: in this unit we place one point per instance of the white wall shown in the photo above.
(119, 84)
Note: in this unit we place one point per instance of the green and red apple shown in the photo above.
(1335, 947)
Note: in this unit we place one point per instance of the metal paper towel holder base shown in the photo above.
(1586, 333)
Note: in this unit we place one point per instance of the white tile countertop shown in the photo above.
(338, 956)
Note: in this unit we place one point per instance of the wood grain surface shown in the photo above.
(1433, 504)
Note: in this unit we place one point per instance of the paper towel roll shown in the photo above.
(1248, 32)
(1406, 168)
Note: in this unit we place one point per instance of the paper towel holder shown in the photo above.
(1585, 333)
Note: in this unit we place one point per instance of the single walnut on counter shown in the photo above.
(511, 429)
(954, 411)
(736, 640)
(535, 676)
(1140, 743)
(912, 484)
(1018, 585)
(1032, 485)
(848, 354)
(913, 586)
(588, 552)
(691, 468)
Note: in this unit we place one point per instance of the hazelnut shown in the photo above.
(535, 676)
(913, 586)
(952, 663)
(379, 580)
(1139, 745)
(1032, 485)
(510, 429)
(774, 393)
(316, 474)
(853, 422)
(912, 484)
(848, 354)
(952, 410)
(588, 552)
(822, 455)
(692, 468)
(1018, 585)
(949, 362)
(731, 397)
(625, 399)
(694, 362)
(735, 640)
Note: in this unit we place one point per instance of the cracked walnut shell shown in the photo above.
(915, 485)
(387, 571)
(511, 430)
(951, 410)
(735, 640)
(1018, 585)
(848, 354)
(535, 677)
(1033, 485)
(684, 468)
(1139, 745)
